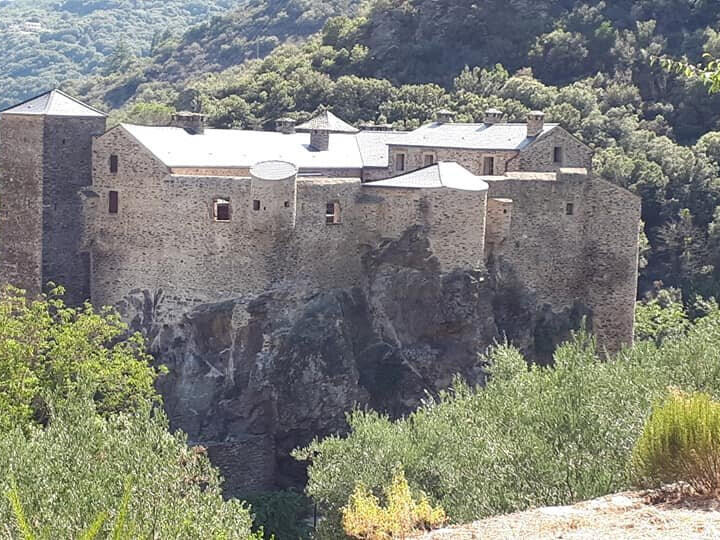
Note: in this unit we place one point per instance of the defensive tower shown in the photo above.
(45, 159)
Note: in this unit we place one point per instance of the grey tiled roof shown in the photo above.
(373, 146)
(471, 136)
(273, 170)
(327, 121)
(444, 174)
(54, 103)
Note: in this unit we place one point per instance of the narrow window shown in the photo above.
(489, 166)
(569, 209)
(429, 159)
(221, 210)
(557, 154)
(113, 164)
(287, 204)
(332, 213)
(113, 202)
(400, 162)
(256, 205)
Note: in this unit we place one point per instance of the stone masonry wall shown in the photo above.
(540, 155)
(472, 160)
(21, 201)
(497, 232)
(67, 169)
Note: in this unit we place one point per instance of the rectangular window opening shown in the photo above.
(429, 159)
(221, 210)
(332, 213)
(256, 205)
(489, 166)
(113, 202)
(113, 163)
(558, 154)
(569, 209)
(400, 162)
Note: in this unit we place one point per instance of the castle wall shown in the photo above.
(539, 156)
(21, 201)
(472, 160)
(497, 230)
(67, 162)
(569, 254)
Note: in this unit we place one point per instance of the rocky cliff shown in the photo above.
(253, 378)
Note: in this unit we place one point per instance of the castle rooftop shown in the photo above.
(54, 103)
(444, 174)
(499, 136)
(228, 148)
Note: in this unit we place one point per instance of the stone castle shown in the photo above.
(206, 215)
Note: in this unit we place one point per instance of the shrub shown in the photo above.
(281, 514)
(47, 347)
(533, 436)
(681, 442)
(126, 468)
(364, 518)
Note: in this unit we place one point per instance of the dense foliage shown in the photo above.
(533, 436)
(47, 348)
(282, 515)
(76, 473)
(681, 442)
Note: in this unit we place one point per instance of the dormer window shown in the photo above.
(558, 154)
(114, 163)
(332, 213)
(400, 162)
(221, 210)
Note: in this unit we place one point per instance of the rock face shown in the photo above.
(251, 379)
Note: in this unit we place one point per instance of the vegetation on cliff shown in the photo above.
(84, 446)
(534, 436)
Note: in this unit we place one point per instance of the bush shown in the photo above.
(281, 514)
(364, 518)
(533, 436)
(681, 442)
(49, 348)
(122, 472)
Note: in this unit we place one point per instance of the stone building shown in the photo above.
(205, 215)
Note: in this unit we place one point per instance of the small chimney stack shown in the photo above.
(493, 116)
(444, 116)
(285, 125)
(535, 123)
(193, 123)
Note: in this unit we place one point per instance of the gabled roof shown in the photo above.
(235, 148)
(472, 136)
(374, 146)
(54, 103)
(443, 174)
(327, 121)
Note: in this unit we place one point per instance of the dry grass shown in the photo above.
(674, 512)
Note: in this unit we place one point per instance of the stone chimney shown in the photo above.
(320, 139)
(493, 116)
(285, 125)
(535, 123)
(444, 116)
(193, 123)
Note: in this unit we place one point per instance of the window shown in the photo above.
(489, 166)
(287, 204)
(557, 154)
(332, 213)
(429, 159)
(113, 202)
(113, 164)
(400, 162)
(569, 209)
(221, 210)
(256, 205)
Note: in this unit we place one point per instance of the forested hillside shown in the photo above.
(46, 42)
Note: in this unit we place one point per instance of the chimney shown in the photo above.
(444, 116)
(193, 123)
(535, 123)
(285, 125)
(493, 116)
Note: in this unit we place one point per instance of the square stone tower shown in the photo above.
(45, 159)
